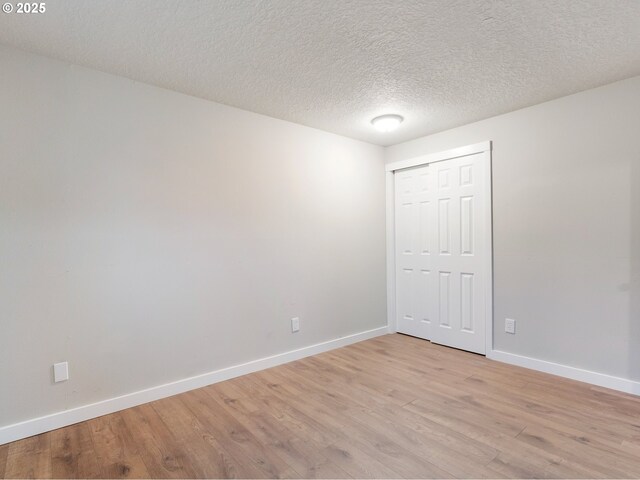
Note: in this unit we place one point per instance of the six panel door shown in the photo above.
(440, 243)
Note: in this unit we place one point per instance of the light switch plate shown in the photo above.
(60, 372)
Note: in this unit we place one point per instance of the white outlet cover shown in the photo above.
(509, 325)
(60, 372)
(295, 324)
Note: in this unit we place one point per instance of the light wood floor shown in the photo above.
(391, 407)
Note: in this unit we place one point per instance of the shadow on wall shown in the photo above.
(634, 286)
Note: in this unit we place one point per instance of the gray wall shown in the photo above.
(566, 211)
(147, 236)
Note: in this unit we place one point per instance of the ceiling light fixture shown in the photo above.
(387, 123)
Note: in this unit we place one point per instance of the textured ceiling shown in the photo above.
(335, 64)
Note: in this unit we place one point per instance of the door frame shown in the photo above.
(391, 168)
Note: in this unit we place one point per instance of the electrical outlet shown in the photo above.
(60, 372)
(295, 324)
(510, 325)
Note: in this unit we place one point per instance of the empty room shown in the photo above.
(320, 239)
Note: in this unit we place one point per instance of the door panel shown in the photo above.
(414, 241)
(440, 240)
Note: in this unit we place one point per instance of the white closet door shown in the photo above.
(440, 245)
(415, 241)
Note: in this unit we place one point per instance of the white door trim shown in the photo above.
(436, 157)
(482, 147)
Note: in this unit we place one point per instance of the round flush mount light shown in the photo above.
(387, 123)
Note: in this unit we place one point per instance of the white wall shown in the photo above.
(147, 236)
(566, 212)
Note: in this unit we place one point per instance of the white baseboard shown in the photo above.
(587, 376)
(35, 426)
